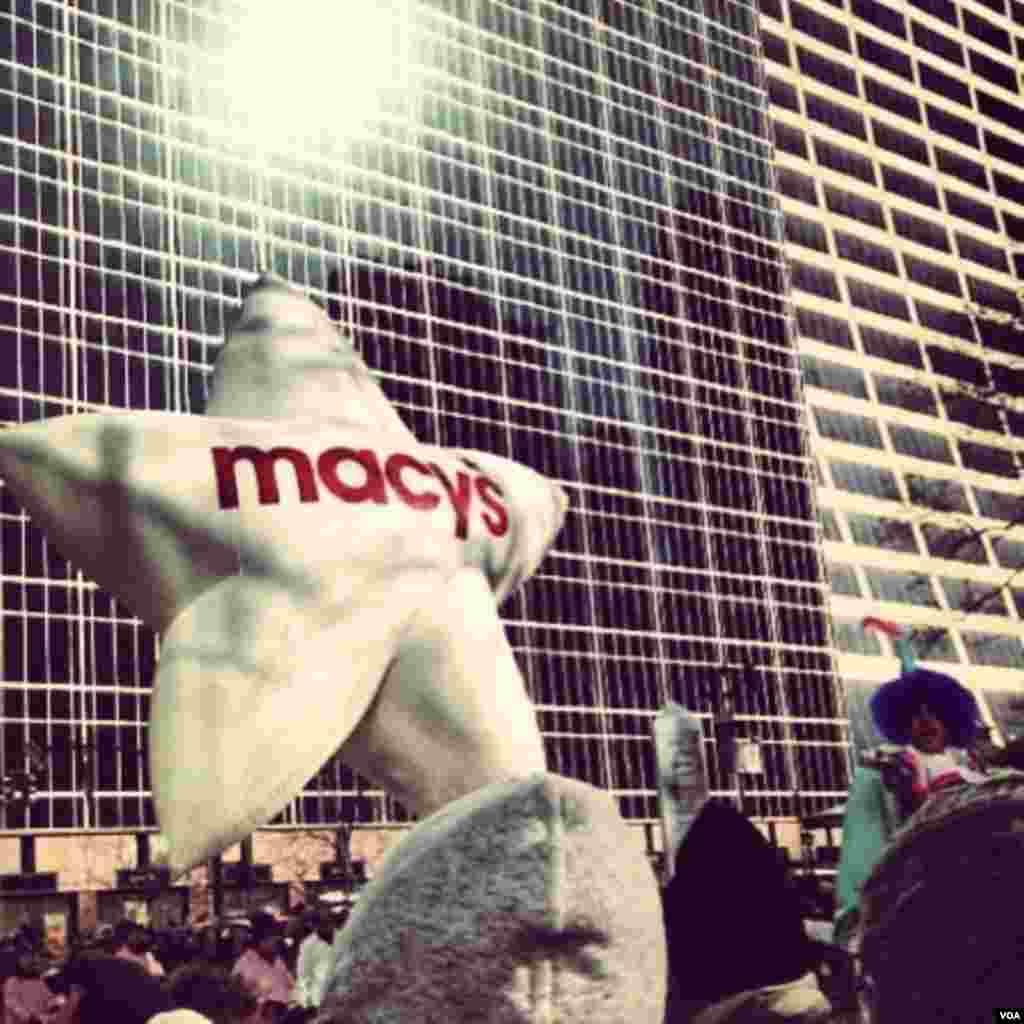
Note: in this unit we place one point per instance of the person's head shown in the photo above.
(928, 733)
(180, 1015)
(132, 936)
(30, 936)
(268, 946)
(930, 710)
(102, 940)
(104, 988)
(266, 935)
(325, 925)
(213, 992)
(29, 963)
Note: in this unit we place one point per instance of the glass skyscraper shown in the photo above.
(552, 229)
(900, 146)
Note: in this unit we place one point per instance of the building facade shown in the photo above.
(899, 134)
(554, 232)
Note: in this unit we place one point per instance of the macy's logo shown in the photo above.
(398, 474)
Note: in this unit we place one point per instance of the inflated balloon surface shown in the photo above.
(321, 579)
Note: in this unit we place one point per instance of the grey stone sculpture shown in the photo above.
(522, 902)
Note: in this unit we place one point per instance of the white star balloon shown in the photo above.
(321, 580)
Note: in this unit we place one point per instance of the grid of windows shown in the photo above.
(556, 238)
(917, 249)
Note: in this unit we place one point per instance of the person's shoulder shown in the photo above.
(243, 962)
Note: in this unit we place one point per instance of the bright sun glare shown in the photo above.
(317, 69)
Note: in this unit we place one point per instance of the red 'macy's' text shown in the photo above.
(401, 475)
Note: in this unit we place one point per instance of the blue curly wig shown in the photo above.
(895, 702)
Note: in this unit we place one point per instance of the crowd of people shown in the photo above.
(758, 958)
(260, 969)
(755, 958)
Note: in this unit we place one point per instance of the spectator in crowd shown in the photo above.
(27, 998)
(263, 971)
(221, 998)
(177, 947)
(102, 939)
(316, 959)
(132, 942)
(737, 948)
(931, 719)
(105, 989)
(297, 929)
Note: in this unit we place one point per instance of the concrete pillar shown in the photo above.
(28, 855)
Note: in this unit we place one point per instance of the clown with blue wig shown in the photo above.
(930, 720)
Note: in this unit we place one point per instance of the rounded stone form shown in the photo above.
(524, 902)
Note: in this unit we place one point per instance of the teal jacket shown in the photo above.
(872, 818)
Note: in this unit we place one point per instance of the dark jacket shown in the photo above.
(732, 921)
